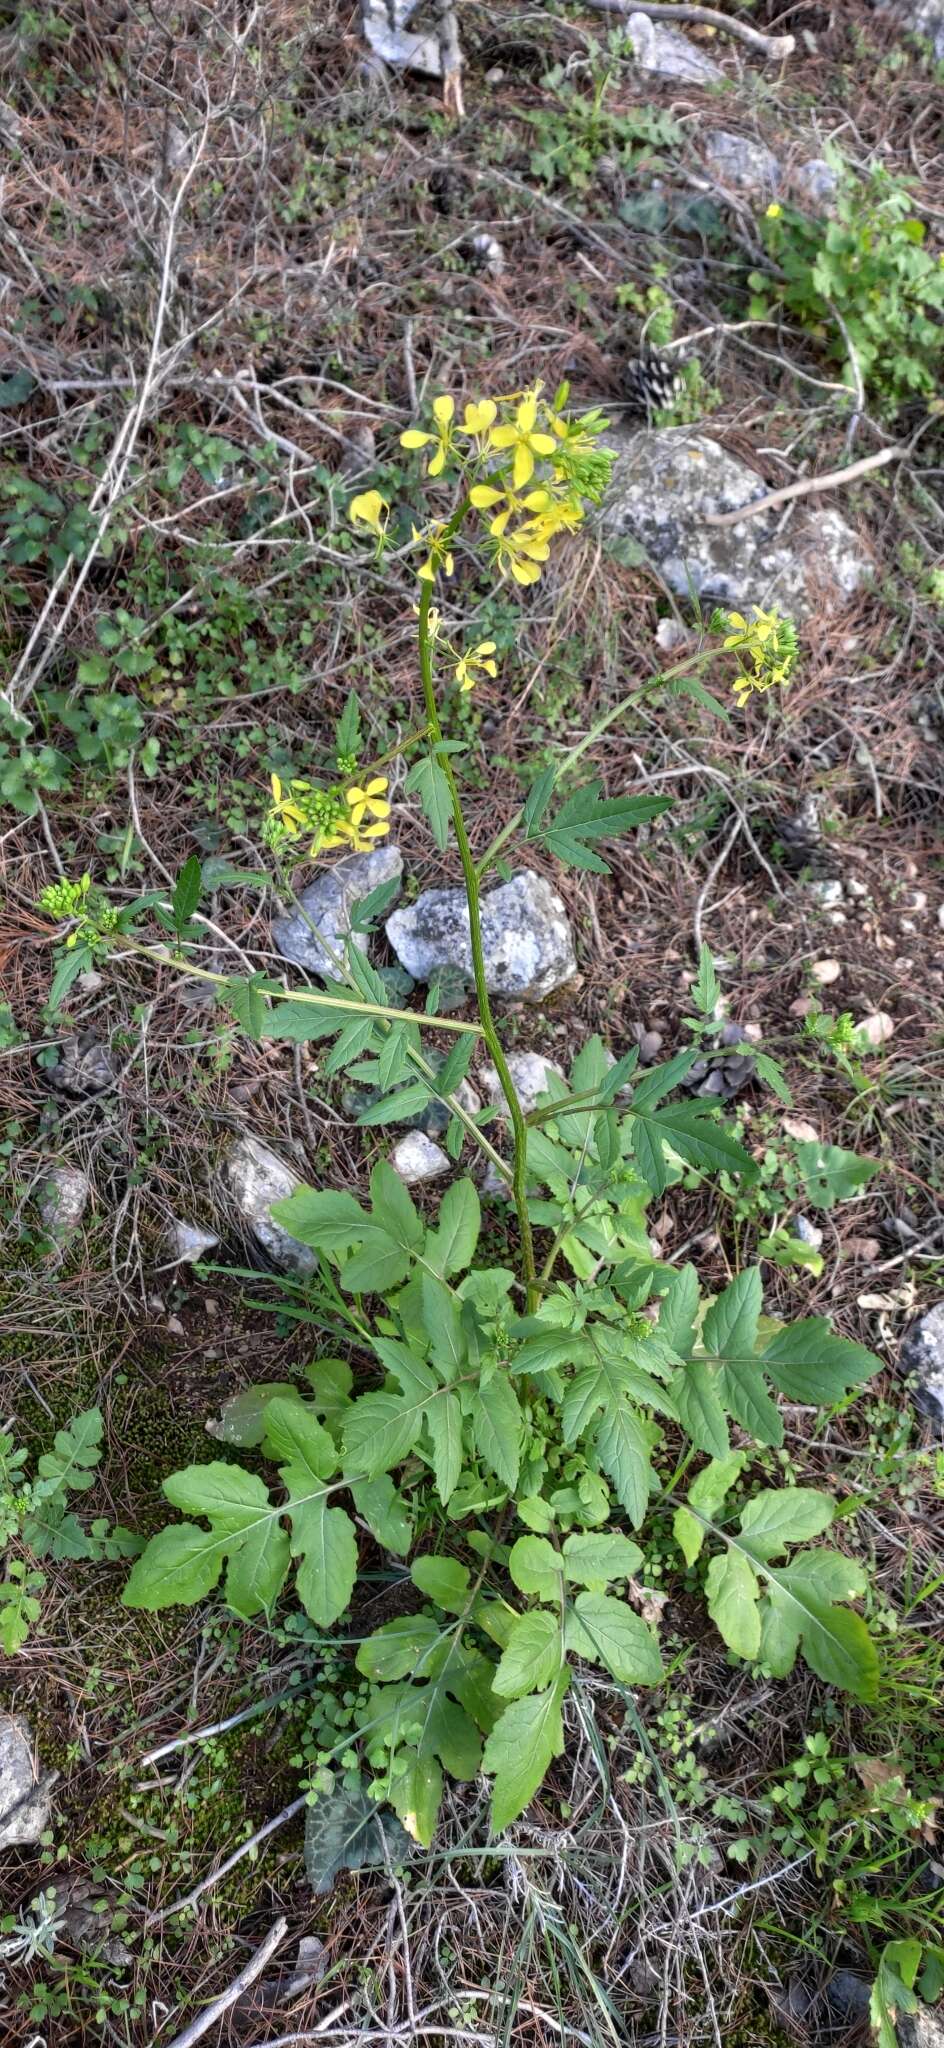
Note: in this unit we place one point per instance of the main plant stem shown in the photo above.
(470, 874)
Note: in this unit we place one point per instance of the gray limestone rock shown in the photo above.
(328, 902)
(922, 18)
(61, 1200)
(741, 163)
(663, 484)
(526, 935)
(255, 1178)
(817, 183)
(385, 29)
(529, 1072)
(666, 54)
(922, 1354)
(417, 1158)
(25, 1793)
(187, 1242)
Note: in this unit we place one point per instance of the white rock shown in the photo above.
(741, 163)
(877, 1029)
(25, 1793)
(329, 902)
(663, 484)
(922, 1354)
(416, 1157)
(526, 937)
(529, 1072)
(255, 1178)
(825, 971)
(385, 30)
(807, 1232)
(817, 183)
(61, 1201)
(828, 893)
(666, 54)
(187, 1242)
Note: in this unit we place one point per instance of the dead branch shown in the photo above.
(806, 487)
(211, 2013)
(708, 17)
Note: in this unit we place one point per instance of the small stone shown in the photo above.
(384, 24)
(876, 1029)
(817, 183)
(865, 1249)
(798, 1128)
(174, 1327)
(650, 1045)
(665, 54)
(255, 1178)
(741, 163)
(61, 1201)
(670, 634)
(826, 971)
(526, 937)
(187, 1242)
(329, 902)
(529, 1072)
(487, 254)
(417, 1158)
(25, 1792)
(848, 1995)
(922, 1357)
(828, 892)
(807, 1232)
(856, 888)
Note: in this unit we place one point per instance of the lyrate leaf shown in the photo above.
(617, 1638)
(532, 1657)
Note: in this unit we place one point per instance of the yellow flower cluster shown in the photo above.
(500, 448)
(353, 818)
(766, 646)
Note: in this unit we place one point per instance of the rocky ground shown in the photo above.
(282, 231)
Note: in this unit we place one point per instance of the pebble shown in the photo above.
(416, 1158)
(825, 971)
(876, 1029)
(829, 892)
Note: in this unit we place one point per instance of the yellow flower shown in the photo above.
(478, 418)
(477, 662)
(773, 211)
(522, 552)
(282, 804)
(533, 502)
(369, 802)
(767, 647)
(444, 409)
(370, 509)
(439, 557)
(525, 438)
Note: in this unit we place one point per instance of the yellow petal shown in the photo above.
(444, 409)
(524, 465)
(485, 647)
(527, 413)
(479, 417)
(482, 496)
(503, 437)
(377, 785)
(276, 789)
(543, 444)
(437, 462)
(414, 439)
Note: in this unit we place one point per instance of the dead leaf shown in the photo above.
(797, 1127)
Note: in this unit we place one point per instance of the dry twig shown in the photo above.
(807, 486)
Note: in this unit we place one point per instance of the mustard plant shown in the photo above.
(508, 1428)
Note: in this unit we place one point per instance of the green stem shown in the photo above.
(357, 1008)
(492, 1040)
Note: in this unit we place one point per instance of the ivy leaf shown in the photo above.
(732, 1591)
(345, 1830)
(831, 1175)
(611, 1634)
(522, 1744)
(532, 1657)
